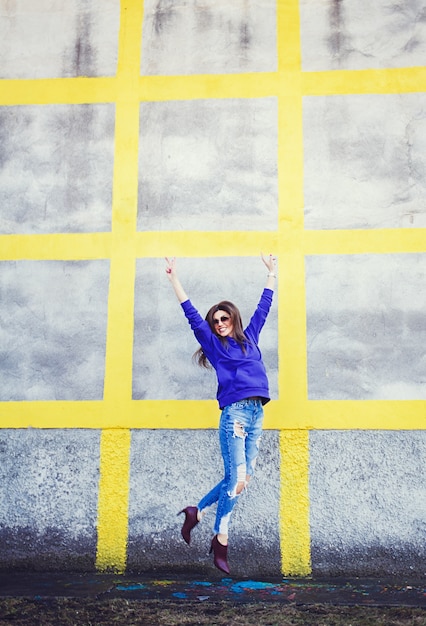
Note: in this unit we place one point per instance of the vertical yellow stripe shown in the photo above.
(115, 444)
(294, 444)
(294, 503)
(113, 501)
(288, 36)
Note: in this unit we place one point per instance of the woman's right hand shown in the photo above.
(171, 267)
(173, 278)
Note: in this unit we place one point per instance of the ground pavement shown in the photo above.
(334, 591)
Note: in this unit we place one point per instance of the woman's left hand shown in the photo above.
(270, 262)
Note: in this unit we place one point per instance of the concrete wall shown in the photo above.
(211, 131)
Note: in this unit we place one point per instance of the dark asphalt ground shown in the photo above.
(336, 591)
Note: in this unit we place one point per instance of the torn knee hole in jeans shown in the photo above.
(239, 430)
(241, 483)
(238, 489)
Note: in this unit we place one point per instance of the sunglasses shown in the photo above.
(224, 318)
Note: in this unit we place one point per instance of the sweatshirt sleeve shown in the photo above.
(259, 316)
(200, 328)
(194, 318)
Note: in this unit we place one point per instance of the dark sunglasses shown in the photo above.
(224, 318)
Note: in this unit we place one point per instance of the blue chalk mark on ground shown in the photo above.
(251, 585)
(201, 583)
(133, 587)
(179, 594)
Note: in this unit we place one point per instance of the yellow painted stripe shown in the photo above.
(292, 368)
(289, 240)
(58, 91)
(195, 87)
(60, 246)
(115, 448)
(113, 501)
(179, 414)
(205, 244)
(288, 36)
(294, 503)
(386, 81)
(335, 82)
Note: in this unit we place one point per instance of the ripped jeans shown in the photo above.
(240, 432)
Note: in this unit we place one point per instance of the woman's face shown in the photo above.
(223, 324)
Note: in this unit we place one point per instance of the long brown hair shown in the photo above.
(237, 333)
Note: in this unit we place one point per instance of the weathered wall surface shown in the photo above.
(56, 38)
(239, 37)
(48, 490)
(368, 511)
(366, 327)
(228, 178)
(53, 332)
(365, 161)
(211, 131)
(351, 35)
(56, 168)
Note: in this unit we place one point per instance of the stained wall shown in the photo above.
(211, 132)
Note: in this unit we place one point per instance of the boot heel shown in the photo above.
(191, 520)
(220, 555)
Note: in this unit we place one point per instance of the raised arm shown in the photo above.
(270, 262)
(173, 278)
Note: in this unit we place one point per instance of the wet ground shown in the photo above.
(337, 591)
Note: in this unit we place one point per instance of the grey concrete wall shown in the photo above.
(53, 329)
(359, 34)
(366, 327)
(368, 504)
(48, 494)
(239, 37)
(56, 168)
(365, 162)
(368, 509)
(227, 179)
(57, 38)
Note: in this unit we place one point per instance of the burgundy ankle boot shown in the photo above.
(220, 552)
(191, 520)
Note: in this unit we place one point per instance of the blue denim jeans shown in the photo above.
(240, 432)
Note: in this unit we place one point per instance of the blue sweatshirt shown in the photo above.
(240, 374)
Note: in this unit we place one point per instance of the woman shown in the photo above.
(242, 391)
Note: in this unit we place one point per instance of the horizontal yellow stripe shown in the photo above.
(58, 91)
(212, 244)
(204, 244)
(250, 85)
(140, 245)
(57, 246)
(200, 414)
(147, 244)
(259, 85)
(392, 81)
(152, 88)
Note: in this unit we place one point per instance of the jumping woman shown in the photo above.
(233, 352)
